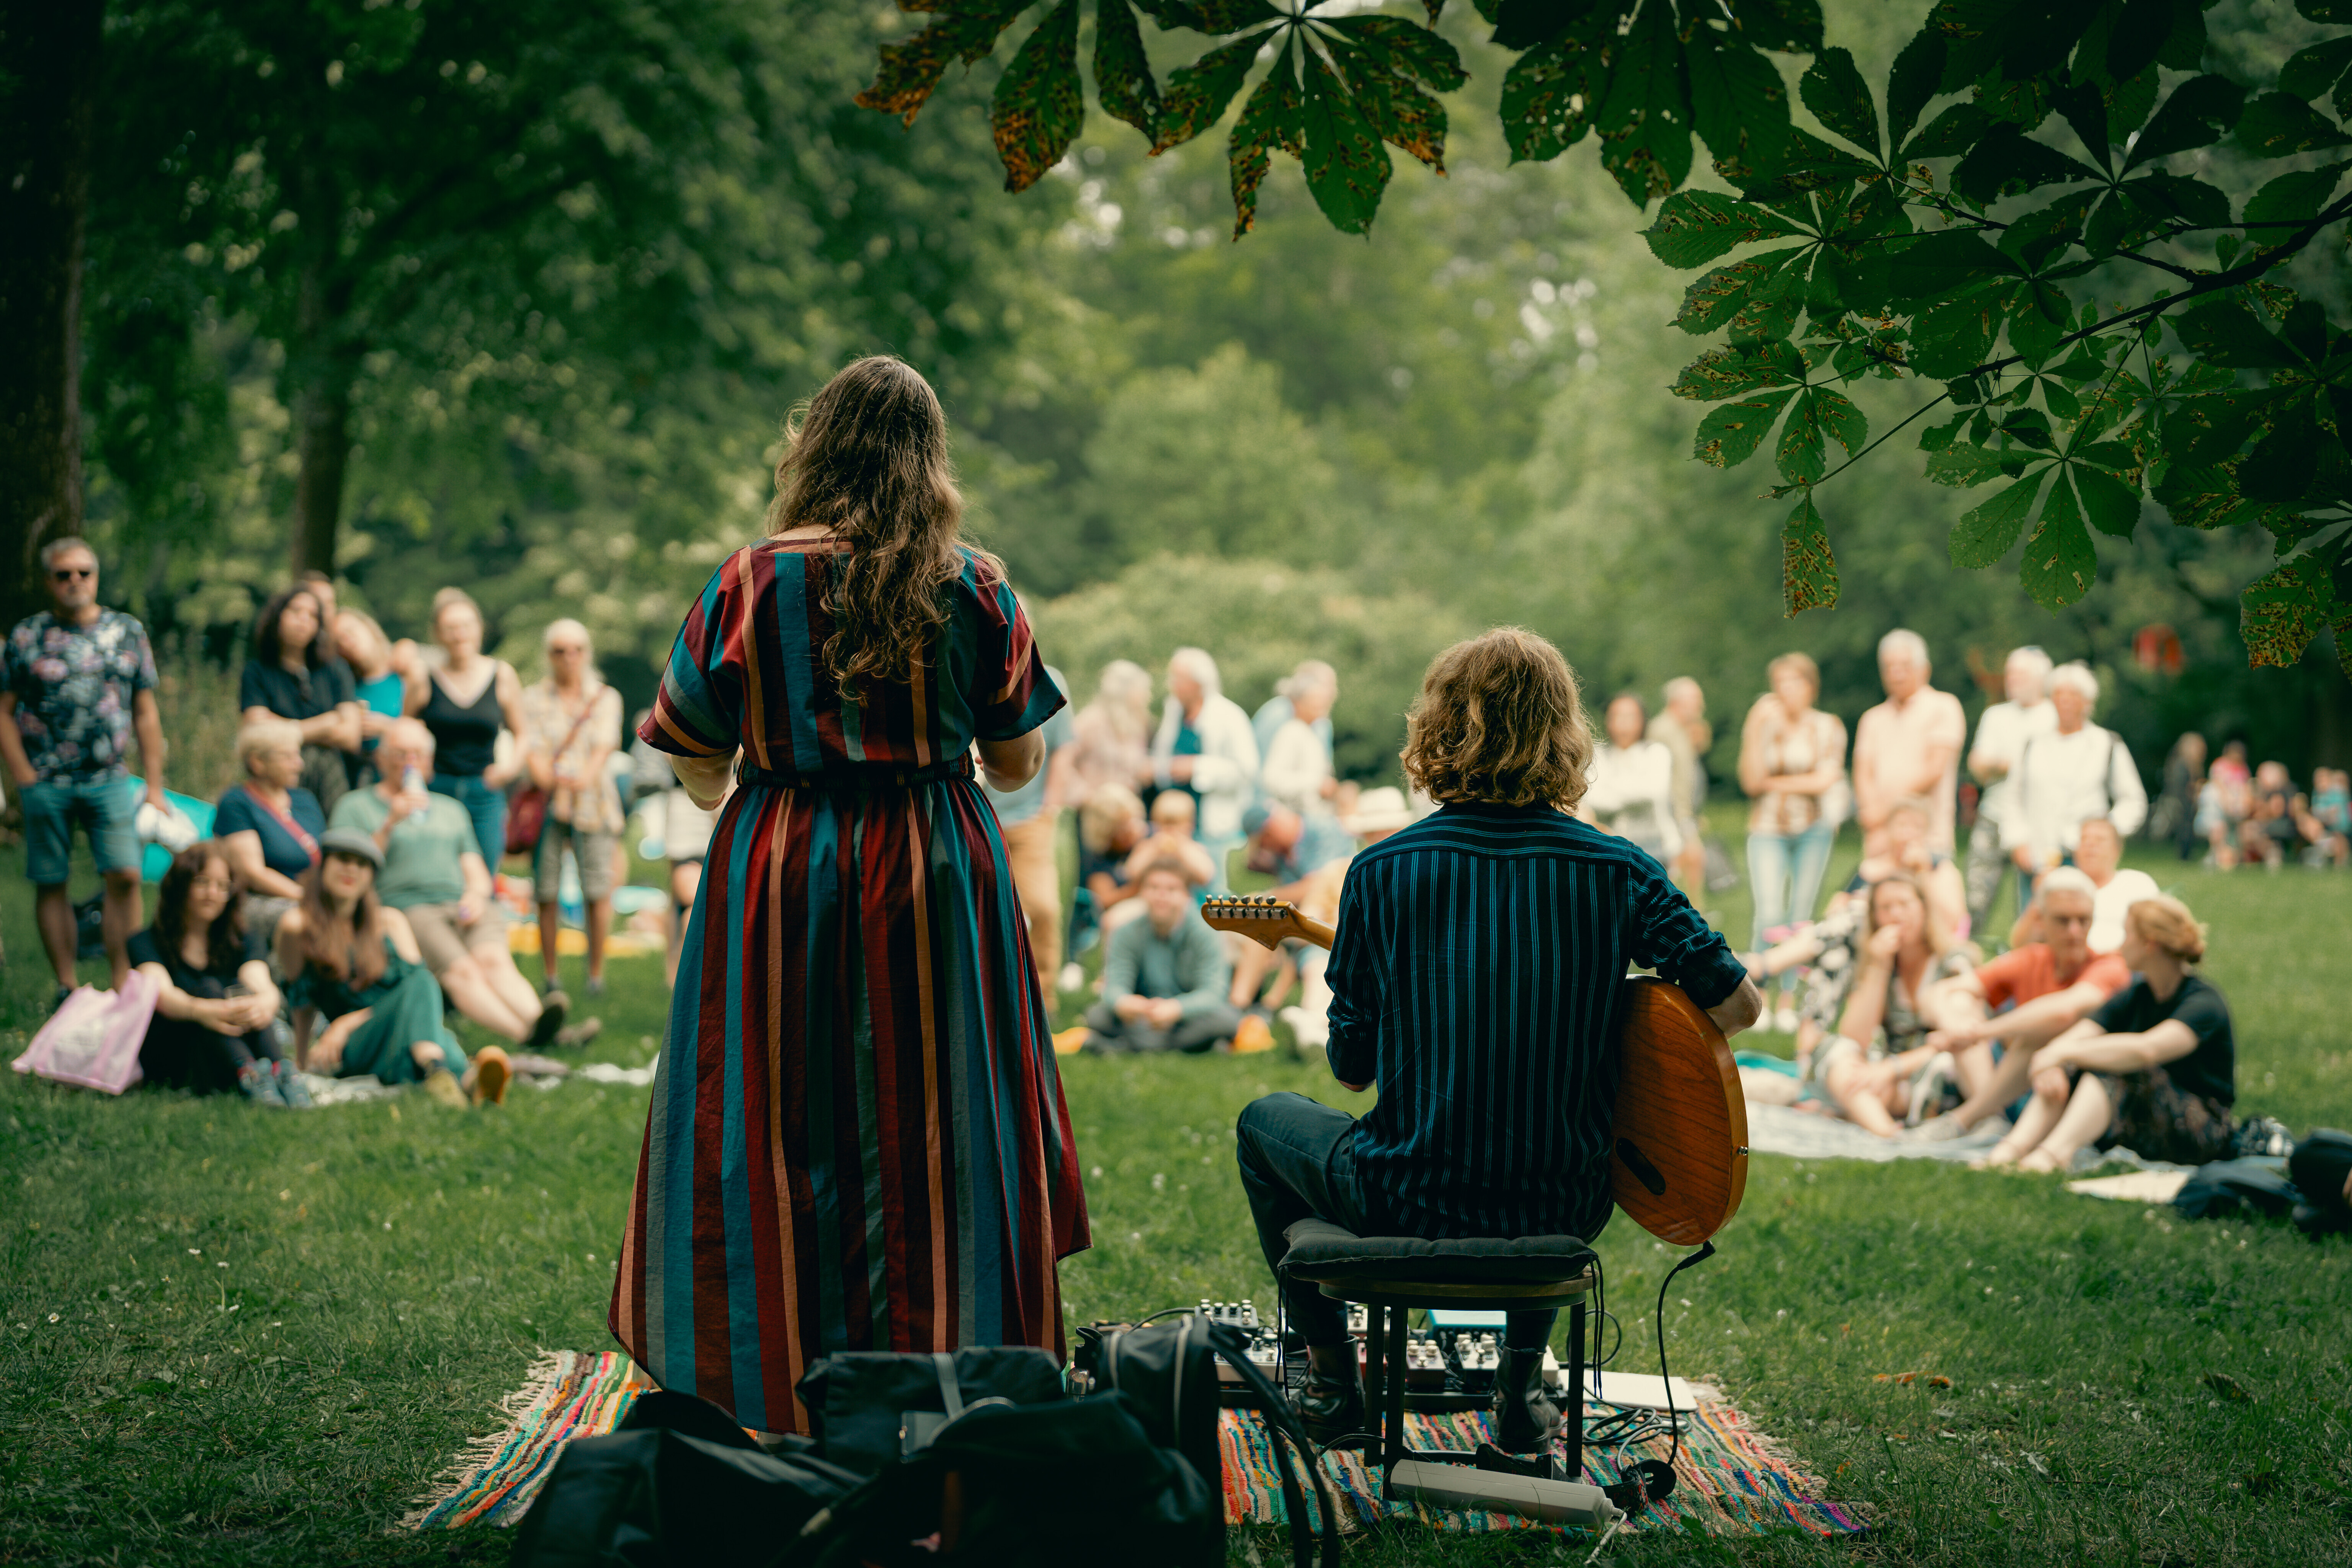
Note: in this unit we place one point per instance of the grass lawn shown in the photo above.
(233, 1337)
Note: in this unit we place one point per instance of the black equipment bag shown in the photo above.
(2223, 1188)
(680, 1485)
(2320, 1166)
(1169, 1370)
(859, 1402)
(1026, 1486)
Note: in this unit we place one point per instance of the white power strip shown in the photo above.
(1459, 1485)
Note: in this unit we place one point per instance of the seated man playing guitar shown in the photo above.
(1477, 978)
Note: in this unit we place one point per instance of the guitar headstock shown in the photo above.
(1268, 922)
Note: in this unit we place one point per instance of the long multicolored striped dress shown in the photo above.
(857, 1138)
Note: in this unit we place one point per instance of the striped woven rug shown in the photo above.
(1730, 1480)
(492, 1482)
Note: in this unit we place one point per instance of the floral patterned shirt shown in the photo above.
(74, 688)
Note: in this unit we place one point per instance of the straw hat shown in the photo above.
(1381, 810)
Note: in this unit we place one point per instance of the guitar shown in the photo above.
(1680, 1162)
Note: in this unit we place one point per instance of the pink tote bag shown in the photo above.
(93, 1039)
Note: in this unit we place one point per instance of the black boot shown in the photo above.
(1526, 1419)
(1331, 1408)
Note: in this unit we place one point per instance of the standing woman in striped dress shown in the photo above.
(857, 1138)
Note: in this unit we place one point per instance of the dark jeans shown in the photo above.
(1197, 1032)
(1297, 1162)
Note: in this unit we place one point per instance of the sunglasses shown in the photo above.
(68, 573)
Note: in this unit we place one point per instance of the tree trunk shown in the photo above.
(322, 414)
(45, 139)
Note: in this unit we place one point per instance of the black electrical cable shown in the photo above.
(1706, 1250)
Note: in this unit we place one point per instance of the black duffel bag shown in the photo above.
(680, 1485)
(859, 1402)
(1026, 1486)
(2321, 1167)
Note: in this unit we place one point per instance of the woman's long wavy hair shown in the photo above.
(224, 938)
(867, 458)
(1499, 719)
(347, 947)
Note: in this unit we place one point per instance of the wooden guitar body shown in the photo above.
(1678, 1160)
(1678, 1164)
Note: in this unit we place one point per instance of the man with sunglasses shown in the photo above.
(80, 683)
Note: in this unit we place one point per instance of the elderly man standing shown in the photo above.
(80, 683)
(1908, 745)
(2001, 734)
(1205, 748)
(434, 874)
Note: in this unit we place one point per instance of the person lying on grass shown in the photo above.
(2054, 983)
(2154, 1070)
(215, 999)
(1871, 1066)
(354, 962)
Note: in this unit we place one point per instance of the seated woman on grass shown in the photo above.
(1872, 1066)
(215, 999)
(2154, 1070)
(353, 961)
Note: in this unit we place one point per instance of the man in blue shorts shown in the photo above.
(79, 681)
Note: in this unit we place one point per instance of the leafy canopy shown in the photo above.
(2018, 213)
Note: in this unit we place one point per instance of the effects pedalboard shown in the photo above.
(1444, 1368)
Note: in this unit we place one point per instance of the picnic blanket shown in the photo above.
(1729, 1480)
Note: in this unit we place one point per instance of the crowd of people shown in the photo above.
(347, 899)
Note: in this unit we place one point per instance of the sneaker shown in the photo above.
(1330, 1408)
(550, 1021)
(59, 1000)
(290, 1086)
(492, 1073)
(1785, 1021)
(596, 987)
(1071, 1041)
(442, 1085)
(259, 1085)
(1073, 976)
(1927, 1090)
(581, 1032)
(1254, 1035)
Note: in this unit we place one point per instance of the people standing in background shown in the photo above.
(2002, 732)
(571, 727)
(1030, 819)
(2225, 803)
(380, 671)
(1791, 766)
(1682, 728)
(80, 683)
(2174, 816)
(1110, 737)
(1297, 769)
(1205, 748)
(1908, 745)
(2064, 777)
(215, 998)
(1632, 789)
(1280, 708)
(2330, 825)
(322, 588)
(294, 674)
(269, 824)
(465, 703)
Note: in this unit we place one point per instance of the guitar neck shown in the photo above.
(1266, 922)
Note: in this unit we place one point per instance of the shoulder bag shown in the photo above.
(527, 813)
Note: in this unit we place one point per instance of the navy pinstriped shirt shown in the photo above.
(1477, 978)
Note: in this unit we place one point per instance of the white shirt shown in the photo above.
(2061, 780)
(2122, 891)
(2001, 733)
(1632, 789)
(1225, 770)
(1296, 764)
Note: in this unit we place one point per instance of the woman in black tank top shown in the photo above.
(464, 734)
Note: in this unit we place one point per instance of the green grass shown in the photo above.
(391, 1269)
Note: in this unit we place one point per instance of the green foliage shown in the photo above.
(2017, 224)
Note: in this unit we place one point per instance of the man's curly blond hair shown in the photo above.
(1499, 720)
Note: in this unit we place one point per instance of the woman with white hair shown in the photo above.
(2066, 776)
(268, 827)
(1298, 772)
(1205, 748)
(1110, 737)
(572, 724)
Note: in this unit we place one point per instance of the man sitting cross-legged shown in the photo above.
(1477, 978)
(1163, 975)
(436, 875)
(2054, 983)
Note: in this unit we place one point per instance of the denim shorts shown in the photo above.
(108, 811)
